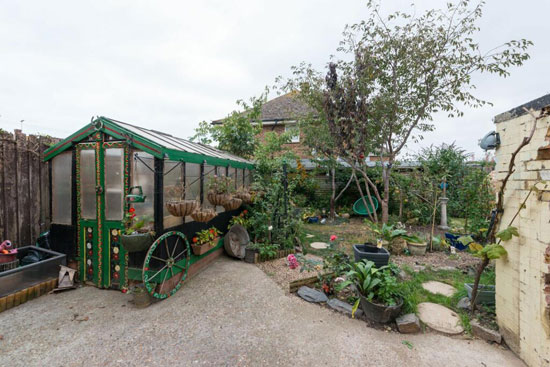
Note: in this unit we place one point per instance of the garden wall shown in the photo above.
(523, 277)
(24, 187)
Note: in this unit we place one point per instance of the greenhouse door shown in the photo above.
(102, 183)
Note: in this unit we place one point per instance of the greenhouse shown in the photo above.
(126, 201)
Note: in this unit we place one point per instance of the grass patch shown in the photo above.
(413, 293)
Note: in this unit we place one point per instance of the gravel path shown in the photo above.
(231, 314)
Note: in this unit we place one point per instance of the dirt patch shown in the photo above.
(438, 259)
(279, 271)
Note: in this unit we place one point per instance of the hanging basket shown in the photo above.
(232, 204)
(182, 208)
(245, 196)
(203, 215)
(218, 199)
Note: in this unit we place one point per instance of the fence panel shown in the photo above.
(24, 187)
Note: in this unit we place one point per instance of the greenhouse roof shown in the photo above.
(159, 144)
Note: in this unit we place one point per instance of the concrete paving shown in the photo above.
(231, 314)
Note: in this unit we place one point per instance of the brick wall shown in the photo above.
(522, 278)
(298, 148)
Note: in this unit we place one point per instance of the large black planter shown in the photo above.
(137, 242)
(380, 313)
(380, 256)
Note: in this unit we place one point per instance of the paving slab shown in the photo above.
(231, 314)
(440, 318)
(439, 288)
(319, 245)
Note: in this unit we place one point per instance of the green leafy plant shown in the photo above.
(221, 185)
(487, 253)
(375, 284)
(386, 232)
(137, 224)
(206, 236)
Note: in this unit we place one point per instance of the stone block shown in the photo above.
(485, 333)
(408, 324)
(312, 295)
(343, 307)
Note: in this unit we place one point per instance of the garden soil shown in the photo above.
(231, 314)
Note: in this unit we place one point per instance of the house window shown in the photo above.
(293, 129)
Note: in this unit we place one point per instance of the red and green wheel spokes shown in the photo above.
(166, 264)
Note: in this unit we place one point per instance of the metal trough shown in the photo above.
(26, 276)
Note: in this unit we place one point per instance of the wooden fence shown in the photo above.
(24, 187)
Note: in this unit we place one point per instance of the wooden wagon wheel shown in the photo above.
(166, 264)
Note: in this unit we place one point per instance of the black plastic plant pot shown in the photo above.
(249, 255)
(380, 313)
(380, 256)
(136, 242)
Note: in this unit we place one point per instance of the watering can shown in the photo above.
(135, 198)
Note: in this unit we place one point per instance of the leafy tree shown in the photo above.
(403, 69)
(238, 134)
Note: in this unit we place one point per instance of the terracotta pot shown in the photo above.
(182, 208)
(203, 215)
(232, 204)
(203, 248)
(218, 199)
(417, 249)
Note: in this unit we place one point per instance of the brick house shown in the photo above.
(523, 277)
(279, 115)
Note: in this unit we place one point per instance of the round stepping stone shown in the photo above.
(439, 318)
(439, 288)
(319, 245)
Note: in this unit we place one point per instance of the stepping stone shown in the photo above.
(408, 324)
(343, 307)
(319, 245)
(439, 318)
(439, 288)
(312, 295)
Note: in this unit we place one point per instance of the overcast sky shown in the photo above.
(169, 64)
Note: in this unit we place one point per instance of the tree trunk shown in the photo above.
(482, 265)
(333, 195)
(386, 172)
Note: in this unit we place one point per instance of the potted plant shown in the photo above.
(181, 207)
(138, 235)
(387, 235)
(416, 245)
(203, 215)
(250, 253)
(205, 240)
(219, 190)
(141, 297)
(232, 204)
(377, 289)
(244, 194)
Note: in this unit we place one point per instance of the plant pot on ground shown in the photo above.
(485, 294)
(250, 253)
(376, 288)
(205, 241)
(380, 312)
(416, 246)
(368, 251)
(141, 297)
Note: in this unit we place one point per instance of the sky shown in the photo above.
(168, 65)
